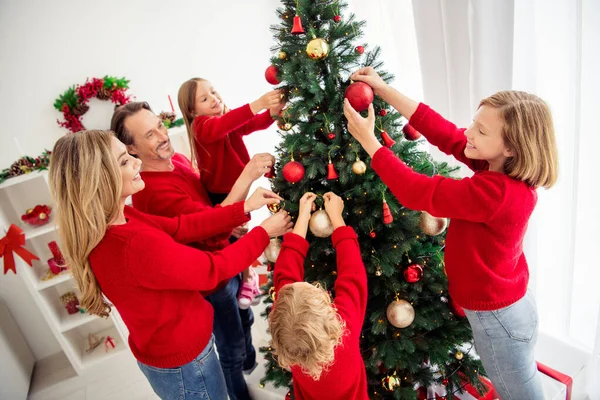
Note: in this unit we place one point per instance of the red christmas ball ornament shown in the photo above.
(372, 234)
(337, 18)
(360, 49)
(360, 95)
(293, 171)
(383, 113)
(445, 382)
(331, 136)
(413, 273)
(387, 140)
(271, 75)
(410, 133)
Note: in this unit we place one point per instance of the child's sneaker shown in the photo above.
(248, 292)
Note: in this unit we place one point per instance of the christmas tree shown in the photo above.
(413, 336)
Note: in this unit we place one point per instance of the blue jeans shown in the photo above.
(201, 378)
(233, 337)
(505, 340)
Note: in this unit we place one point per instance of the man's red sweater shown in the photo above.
(484, 258)
(155, 282)
(222, 154)
(171, 193)
(346, 377)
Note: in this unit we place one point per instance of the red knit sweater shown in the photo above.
(346, 378)
(176, 192)
(222, 154)
(155, 282)
(484, 256)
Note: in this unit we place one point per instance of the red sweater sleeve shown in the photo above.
(289, 267)
(162, 264)
(444, 135)
(172, 202)
(198, 227)
(211, 129)
(472, 199)
(259, 122)
(351, 283)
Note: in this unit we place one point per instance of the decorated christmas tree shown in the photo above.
(414, 336)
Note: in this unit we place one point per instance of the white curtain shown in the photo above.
(469, 49)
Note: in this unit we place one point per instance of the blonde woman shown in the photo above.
(315, 338)
(134, 260)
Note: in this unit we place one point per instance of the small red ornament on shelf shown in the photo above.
(109, 344)
(37, 216)
(57, 262)
(360, 49)
(71, 302)
(387, 140)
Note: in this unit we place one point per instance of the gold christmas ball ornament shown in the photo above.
(272, 293)
(459, 355)
(390, 382)
(282, 55)
(431, 225)
(400, 313)
(274, 207)
(359, 167)
(272, 250)
(317, 49)
(284, 126)
(320, 224)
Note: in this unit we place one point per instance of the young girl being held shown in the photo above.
(512, 149)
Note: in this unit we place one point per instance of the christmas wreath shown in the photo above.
(73, 102)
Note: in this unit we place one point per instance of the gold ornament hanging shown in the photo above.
(284, 126)
(400, 313)
(459, 355)
(378, 271)
(282, 55)
(359, 167)
(431, 225)
(272, 250)
(320, 225)
(317, 49)
(272, 293)
(274, 207)
(390, 382)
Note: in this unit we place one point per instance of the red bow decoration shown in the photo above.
(14, 241)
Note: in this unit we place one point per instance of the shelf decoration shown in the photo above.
(25, 165)
(14, 242)
(57, 263)
(168, 118)
(73, 102)
(71, 302)
(93, 342)
(38, 215)
(109, 344)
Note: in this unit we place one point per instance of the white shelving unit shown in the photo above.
(71, 331)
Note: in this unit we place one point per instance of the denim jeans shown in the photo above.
(233, 338)
(201, 378)
(505, 340)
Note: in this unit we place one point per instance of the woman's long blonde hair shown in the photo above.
(529, 132)
(86, 183)
(186, 98)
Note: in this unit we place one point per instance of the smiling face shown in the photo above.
(207, 101)
(129, 167)
(485, 139)
(150, 137)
